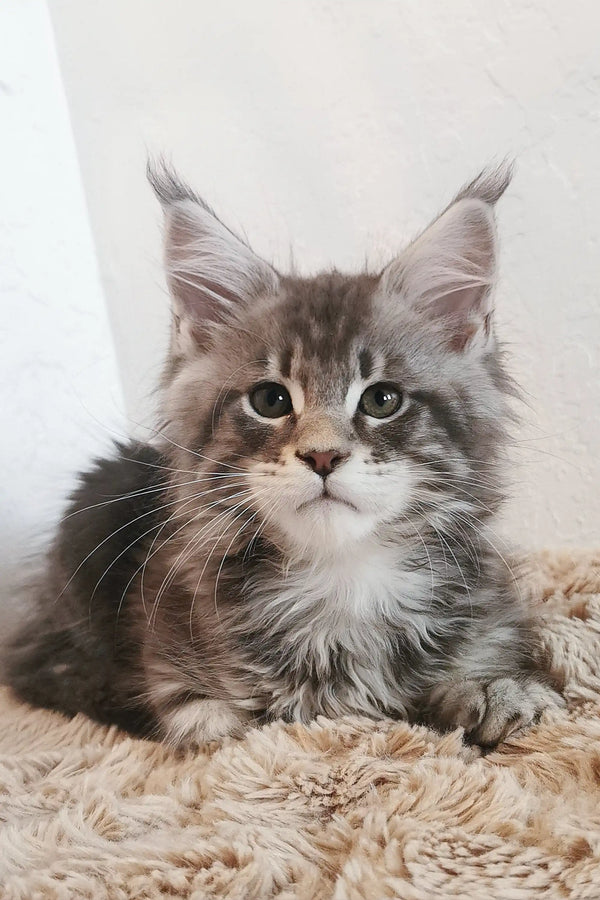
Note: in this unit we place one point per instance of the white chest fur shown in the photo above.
(334, 623)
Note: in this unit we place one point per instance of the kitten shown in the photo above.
(310, 534)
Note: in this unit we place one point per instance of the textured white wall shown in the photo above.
(334, 127)
(59, 385)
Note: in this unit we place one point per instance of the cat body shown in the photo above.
(312, 530)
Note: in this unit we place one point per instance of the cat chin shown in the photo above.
(326, 526)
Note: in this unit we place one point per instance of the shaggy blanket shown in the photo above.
(346, 809)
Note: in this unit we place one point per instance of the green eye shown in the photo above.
(380, 401)
(271, 400)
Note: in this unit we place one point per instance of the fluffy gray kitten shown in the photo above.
(310, 533)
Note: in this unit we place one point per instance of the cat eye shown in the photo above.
(380, 401)
(271, 400)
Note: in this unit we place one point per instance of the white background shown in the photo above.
(332, 130)
(60, 395)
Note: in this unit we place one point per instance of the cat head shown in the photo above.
(327, 410)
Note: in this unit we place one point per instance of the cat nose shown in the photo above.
(323, 462)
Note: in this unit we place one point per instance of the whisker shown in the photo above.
(191, 547)
(428, 554)
(169, 577)
(200, 577)
(482, 531)
(199, 455)
(132, 495)
(139, 538)
(244, 525)
(152, 552)
(224, 557)
(108, 537)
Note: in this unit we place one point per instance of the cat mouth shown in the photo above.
(326, 498)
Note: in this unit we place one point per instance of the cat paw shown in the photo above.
(490, 712)
(199, 722)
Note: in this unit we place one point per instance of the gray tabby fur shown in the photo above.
(225, 582)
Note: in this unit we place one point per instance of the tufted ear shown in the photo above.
(448, 273)
(211, 272)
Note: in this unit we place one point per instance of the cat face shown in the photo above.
(332, 409)
(322, 423)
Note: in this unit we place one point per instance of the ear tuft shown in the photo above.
(167, 185)
(489, 185)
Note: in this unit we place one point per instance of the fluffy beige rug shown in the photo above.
(347, 809)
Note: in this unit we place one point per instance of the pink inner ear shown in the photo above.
(211, 271)
(447, 273)
(464, 315)
(199, 299)
(196, 295)
(459, 302)
(462, 335)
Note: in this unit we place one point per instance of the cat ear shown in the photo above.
(211, 272)
(448, 273)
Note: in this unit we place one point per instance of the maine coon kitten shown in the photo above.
(310, 533)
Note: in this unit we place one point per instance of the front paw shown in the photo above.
(200, 722)
(489, 712)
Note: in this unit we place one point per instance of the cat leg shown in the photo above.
(186, 718)
(490, 712)
(196, 722)
(496, 685)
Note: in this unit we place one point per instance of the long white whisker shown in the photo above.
(193, 545)
(111, 535)
(254, 514)
(195, 453)
(218, 538)
(177, 514)
(142, 492)
(482, 531)
(167, 580)
(197, 513)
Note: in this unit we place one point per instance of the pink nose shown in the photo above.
(323, 462)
